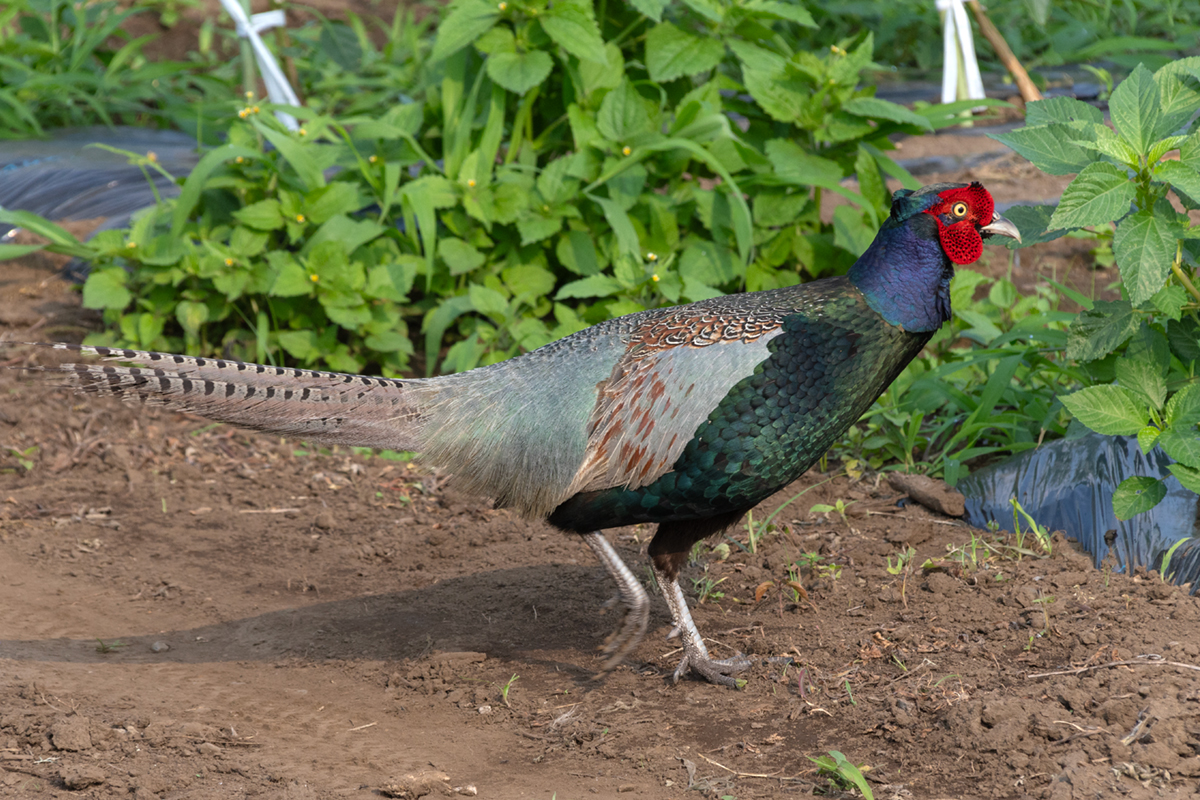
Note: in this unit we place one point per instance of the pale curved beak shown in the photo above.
(1002, 227)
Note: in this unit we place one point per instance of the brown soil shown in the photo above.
(194, 612)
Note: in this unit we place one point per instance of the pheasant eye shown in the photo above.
(959, 209)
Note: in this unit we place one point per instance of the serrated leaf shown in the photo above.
(1182, 444)
(1177, 88)
(651, 8)
(519, 72)
(1170, 300)
(876, 108)
(1107, 409)
(466, 22)
(707, 8)
(191, 315)
(673, 53)
(1184, 406)
(1144, 245)
(459, 256)
(591, 286)
(1135, 111)
(1184, 337)
(1112, 146)
(1034, 224)
(1187, 476)
(487, 301)
(1048, 147)
(1164, 146)
(263, 215)
(1097, 332)
(340, 42)
(1144, 378)
(1146, 437)
(1100, 193)
(534, 227)
(1061, 109)
(1180, 176)
(572, 24)
(1137, 495)
(622, 114)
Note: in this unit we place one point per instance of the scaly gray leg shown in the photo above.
(695, 654)
(637, 603)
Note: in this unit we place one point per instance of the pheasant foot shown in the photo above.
(637, 604)
(695, 653)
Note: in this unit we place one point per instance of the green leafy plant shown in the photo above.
(506, 688)
(1140, 351)
(705, 587)
(547, 169)
(843, 774)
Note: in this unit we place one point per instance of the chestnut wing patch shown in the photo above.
(652, 404)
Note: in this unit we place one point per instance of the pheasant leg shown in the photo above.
(637, 604)
(695, 654)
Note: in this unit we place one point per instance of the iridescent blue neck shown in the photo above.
(905, 276)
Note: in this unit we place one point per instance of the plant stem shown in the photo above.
(1177, 268)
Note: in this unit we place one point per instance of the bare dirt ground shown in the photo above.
(188, 611)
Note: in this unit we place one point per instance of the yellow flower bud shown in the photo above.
(654, 277)
(471, 183)
(299, 218)
(314, 277)
(152, 157)
(652, 257)
(229, 262)
(626, 150)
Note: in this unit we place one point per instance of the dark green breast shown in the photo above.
(824, 370)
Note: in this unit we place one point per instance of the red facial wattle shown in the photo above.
(960, 238)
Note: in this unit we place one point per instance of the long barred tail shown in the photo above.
(329, 407)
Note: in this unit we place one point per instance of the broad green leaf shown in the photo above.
(535, 227)
(790, 10)
(1147, 437)
(528, 282)
(339, 197)
(197, 180)
(1061, 109)
(466, 22)
(1189, 477)
(105, 288)
(1189, 151)
(622, 114)
(591, 286)
(301, 345)
(1180, 176)
(712, 9)
(191, 315)
(264, 215)
(1184, 406)
(1111, 145)
(651, 8)
(672, 53)
(1107, 409)
(349, 233)
(577, 252)
(1144, 245)
(1164, 146)
(850, 232)
(627, 238)
(1101, 330)
(1034, 224)
(519, 72)
(875, 108)
(1100, 193)
(340, 42)
(1144, 378)
(1177, 87)
(459, 256)
(870, 180)
(1137, 495)
(488, 301)
(793, 164)
(1134, 107)
(572, 24)
(1048, 147)
(1184, 337)
(1182, 444)
(1170, 300)
(437, 321)
(291, 279)
(605, 75)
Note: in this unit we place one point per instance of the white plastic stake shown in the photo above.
(958, 44)
(279, 91)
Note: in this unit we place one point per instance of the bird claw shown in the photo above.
(626, 636)
(719, 671)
